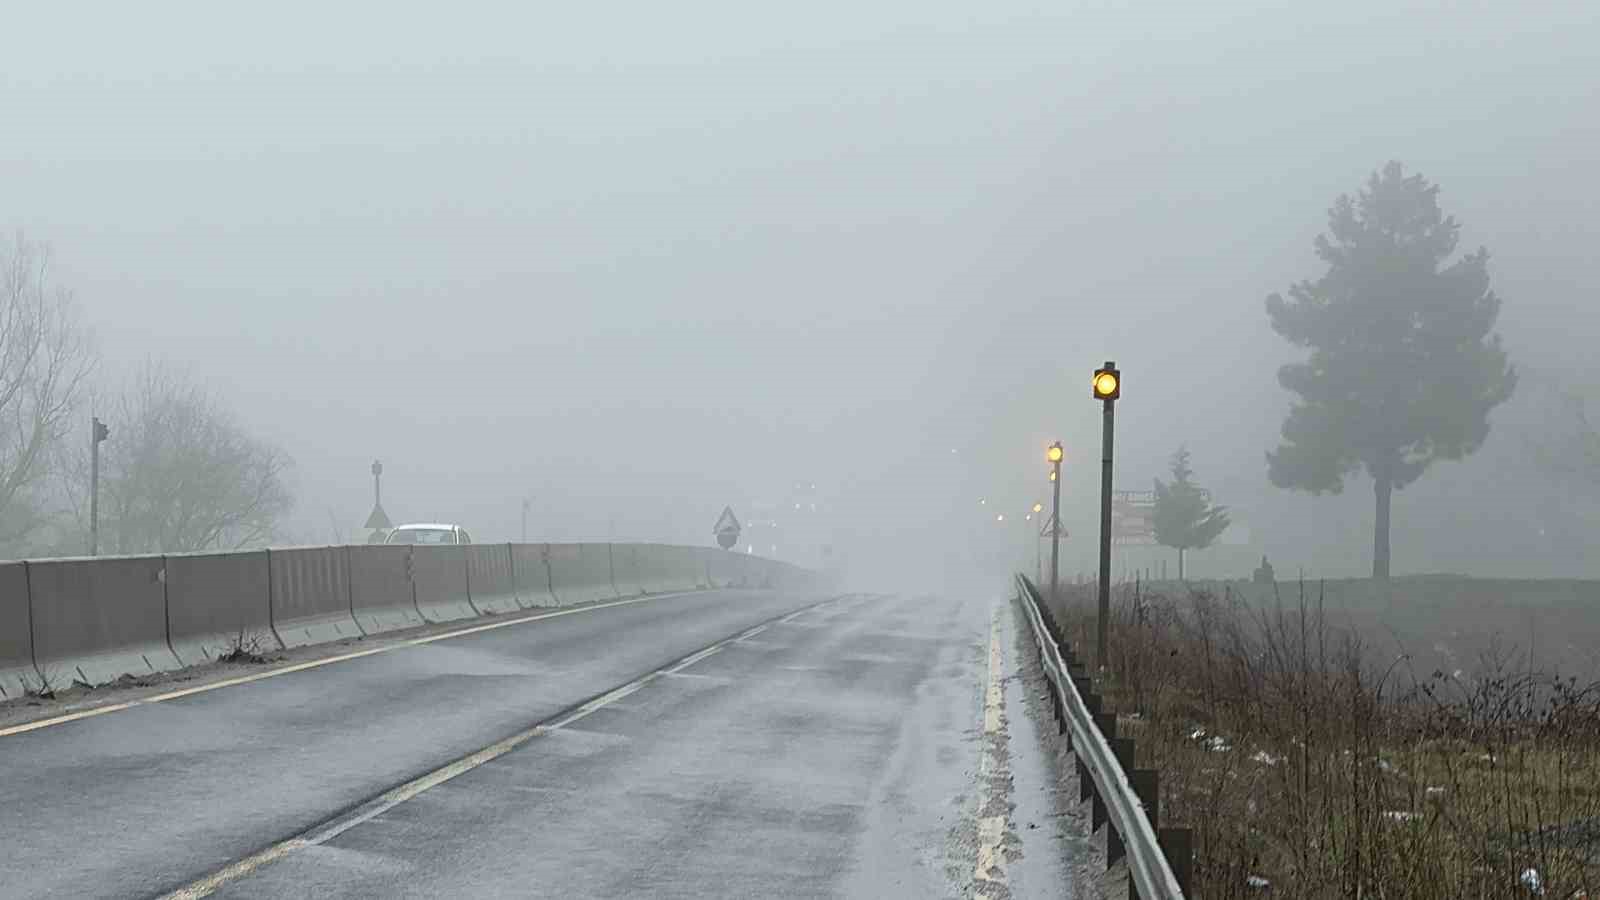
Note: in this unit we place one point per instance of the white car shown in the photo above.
(428, 533)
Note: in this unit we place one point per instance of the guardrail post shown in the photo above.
(1107, 723)
(1146, 786)
(1122, 748)
(1085, 783)
(1097, 817)
(1177, 845)
(1061, 714)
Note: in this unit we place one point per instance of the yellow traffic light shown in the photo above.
(1052, 474)
(1107, 382)
(1055, 453)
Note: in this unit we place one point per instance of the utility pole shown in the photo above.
(98, 432)
(526, 502)
(1055, 454)
(1107, 388)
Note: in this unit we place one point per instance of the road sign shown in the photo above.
(1053, 527)
(727, 528)
(726, 522)
(379, 518)
(1133, 518)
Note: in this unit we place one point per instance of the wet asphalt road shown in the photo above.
(833, 753)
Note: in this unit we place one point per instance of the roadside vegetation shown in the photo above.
(179, 471)
(1312, 762)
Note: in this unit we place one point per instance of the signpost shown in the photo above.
(1051, 529)
(378, 521)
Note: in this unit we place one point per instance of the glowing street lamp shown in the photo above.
(1054, 454)
(1107, 386)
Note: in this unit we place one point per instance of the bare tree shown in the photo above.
(180, 473)
(45, 359)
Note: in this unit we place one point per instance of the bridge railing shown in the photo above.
(1125, 799)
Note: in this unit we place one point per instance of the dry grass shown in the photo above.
(1303, 758)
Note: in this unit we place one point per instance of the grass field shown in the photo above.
(1354, 741)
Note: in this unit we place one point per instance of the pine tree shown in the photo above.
(1184, 517)
(1404, 366)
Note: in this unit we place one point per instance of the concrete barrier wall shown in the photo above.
(440, 575)
(702, 562)
(669, 569)
(727, 568)
(95, 620)
(311, 595)
(381, 594)
(531, 567)
(626, 571)
(218, 602)
(581, 573)
(17, 674)
(490, 583)
(647, 567)
(687, 569)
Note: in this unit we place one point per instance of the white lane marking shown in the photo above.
(990, 869)
(317, 663)
(388, 800)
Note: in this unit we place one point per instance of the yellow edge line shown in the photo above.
(300, 667)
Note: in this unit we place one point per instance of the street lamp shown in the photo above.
(1054, 454)
(1107, 389)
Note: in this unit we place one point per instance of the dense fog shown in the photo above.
(633, 264)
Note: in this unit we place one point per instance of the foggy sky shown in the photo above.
(638, 262)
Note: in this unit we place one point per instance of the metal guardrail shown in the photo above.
(1126, 799)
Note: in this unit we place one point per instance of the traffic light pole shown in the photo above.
(1102, 626)
(1055, 531)
(97, 433)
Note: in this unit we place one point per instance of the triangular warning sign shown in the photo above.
(1048, 530)
(379, 518)
(726, 522)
